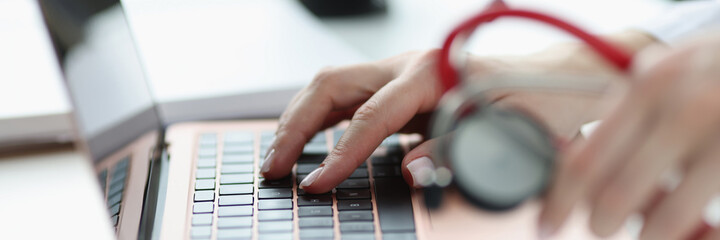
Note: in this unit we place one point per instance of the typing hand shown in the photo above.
(380, 98)
(668, 122)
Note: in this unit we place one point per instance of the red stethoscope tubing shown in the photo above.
(449, 75)
(614, 55)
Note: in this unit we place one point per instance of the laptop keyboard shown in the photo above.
(113, 186)
(232, 201)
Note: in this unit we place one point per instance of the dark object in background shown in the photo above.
(339, 8)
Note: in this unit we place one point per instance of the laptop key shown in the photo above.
(301, 177)
(200, 232)
(234, 222)
(274, 193)
(337, 134)
(236, 189)
(316, 233)
(349, 216)
(118, 176)
(347, 205)
(115, 209)
(277, 226)
(202, 219)
(204, 184)
(235, 200)
(312, 158)
(315, 200)
(114, 199)
(114, 220)
(359, 173)
(357, 227)
(354, 183)
(203, 207)
(208, 152)
(235, 211)
(274, 204)
(275, 215)
(358, 236)
(206, 162)
(202, 196)
(237, 168)
(386, 171)
(301, 192)
(315, 222)
(116, 188)
(394, 206)
(237, 158)
(313, 211)
(238, 137)
(399, 236)
(306, 168)
(235, 233)
(237, 178)
(279, 183)
(386, 160)
(315, 148)
(275, 236)
(319, 137)
(205, 173)
(238, 148)
(207, 139)
(353, 194)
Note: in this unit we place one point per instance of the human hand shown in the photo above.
(667, 122)
(380, 98)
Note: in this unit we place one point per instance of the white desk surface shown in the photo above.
(51, 196)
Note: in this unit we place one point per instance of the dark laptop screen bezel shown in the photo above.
(65, 20)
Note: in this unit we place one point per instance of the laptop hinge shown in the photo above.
(155, 192)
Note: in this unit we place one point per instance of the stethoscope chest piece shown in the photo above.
(499, 157)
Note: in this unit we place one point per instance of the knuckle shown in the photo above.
(367, 112)
(431, 55)
(325, 78)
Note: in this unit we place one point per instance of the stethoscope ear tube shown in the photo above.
(448, 72)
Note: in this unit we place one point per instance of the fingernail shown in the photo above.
(266, 163)
(421, 169)
(545, 231)
(311, 178)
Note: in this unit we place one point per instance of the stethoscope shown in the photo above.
(498, 157)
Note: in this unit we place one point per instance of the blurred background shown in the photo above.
(207, 59)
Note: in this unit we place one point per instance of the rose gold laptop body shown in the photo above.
(456, 218)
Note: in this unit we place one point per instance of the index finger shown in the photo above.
(383, 114)
(332, 89)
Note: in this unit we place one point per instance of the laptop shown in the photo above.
(200, 180)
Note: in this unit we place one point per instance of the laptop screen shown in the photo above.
(104, 75)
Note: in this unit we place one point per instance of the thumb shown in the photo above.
(417, 166)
